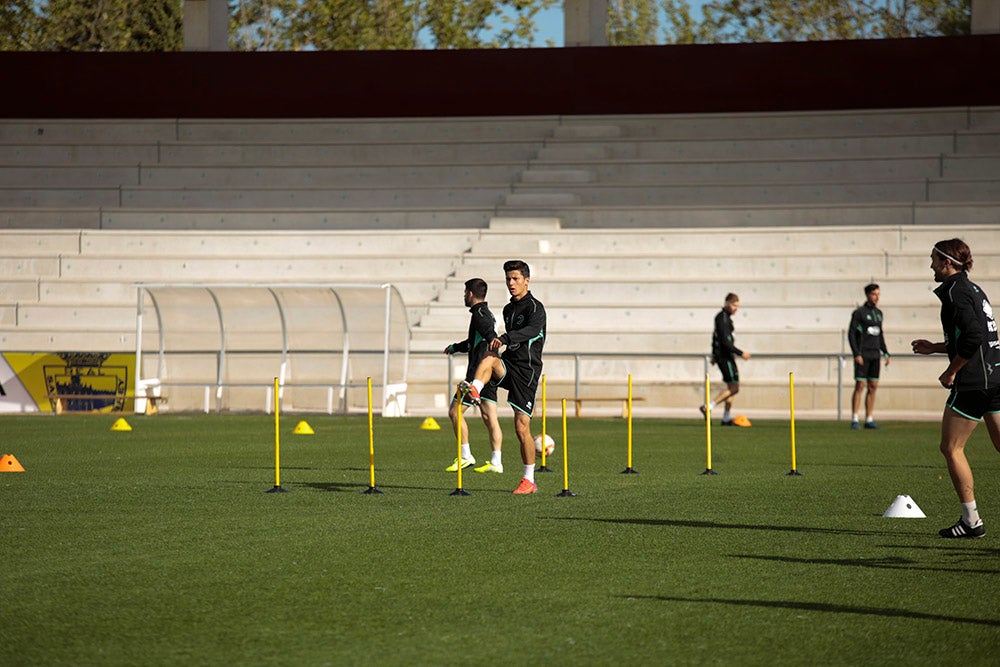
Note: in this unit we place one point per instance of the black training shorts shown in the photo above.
(521, 383)
(730, 373)
(867, 371)
(974, 403)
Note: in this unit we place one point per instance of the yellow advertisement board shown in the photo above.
(66, 381)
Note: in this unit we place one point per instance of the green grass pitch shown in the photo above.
(160, 546)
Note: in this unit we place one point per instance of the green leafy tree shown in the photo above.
(110, 25)
(18, 25)
(799, 20)
(632, 22)
(260, 25)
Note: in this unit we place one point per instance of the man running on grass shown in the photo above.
(724, 353)
(520, 366)
(972, 375)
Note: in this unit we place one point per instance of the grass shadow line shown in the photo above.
(823, 607)
(715, 525)
(890, 563)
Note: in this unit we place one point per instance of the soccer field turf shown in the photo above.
(160, 546)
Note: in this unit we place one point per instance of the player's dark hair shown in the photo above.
(731, 297)
(517, 265)
(870, 287)
(957, 252)
(477, 286)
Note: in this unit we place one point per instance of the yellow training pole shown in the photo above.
(277, 442)
(565, 457)
(708, 428)
(629, 470)
(459, 491)
(544, 468)
(371, 445)
(791, 406)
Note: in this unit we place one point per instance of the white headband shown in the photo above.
(947, 256)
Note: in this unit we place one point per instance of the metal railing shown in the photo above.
(837, 360)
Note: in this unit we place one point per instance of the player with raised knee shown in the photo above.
(519, 367)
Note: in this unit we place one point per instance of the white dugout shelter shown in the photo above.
(219, 347)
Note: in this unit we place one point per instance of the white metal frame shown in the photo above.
(142, 289)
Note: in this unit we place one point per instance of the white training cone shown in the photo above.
(903, 507)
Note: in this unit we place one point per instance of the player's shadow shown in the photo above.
(890, 563)
(339, 487)
(716, 525)
(823, 607)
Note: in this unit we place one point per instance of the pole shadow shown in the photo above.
(823, 607)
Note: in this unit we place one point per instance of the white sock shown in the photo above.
(477, 383)
(466, 451)
(970, 514)
(711, 406)
(870, 419)
(495, 458)
(855, 417)
(529, 472)
(725, 416)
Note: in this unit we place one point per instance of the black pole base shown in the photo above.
(459, 492)
(543, 469)
(708, 471)
(793, 473)
(630, 471)
(565, 493)
(371, 490)
(277, 489)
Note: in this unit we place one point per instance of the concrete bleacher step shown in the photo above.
(680, 292)
(957, 142)
(667, 318)
(257, 269)
(303, 176)
(64, 131)
(26, 339)
(635, 217)
(770, 241)
(632, 148)
(445, 152)
(56, 197)
(71, 154)
(293, 244)
(384, 198)
(13, 291)
(776, 193)
(82, 176)
(793, 124)
(520, 128)
(75, 317)
(556, 175)
(269, 219)
(860, 266)
(783, 170)
(42, 218)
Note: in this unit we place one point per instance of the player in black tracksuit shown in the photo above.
(519, 368)
(973, 373)
(867, 342)
(724, 353)
(482, 330)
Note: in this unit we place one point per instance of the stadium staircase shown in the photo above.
(635, 227)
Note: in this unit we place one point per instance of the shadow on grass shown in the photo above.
(715, 525)
(354, 486)
(890, 563)
(823, 607)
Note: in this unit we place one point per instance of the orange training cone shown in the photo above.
(8, 463)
